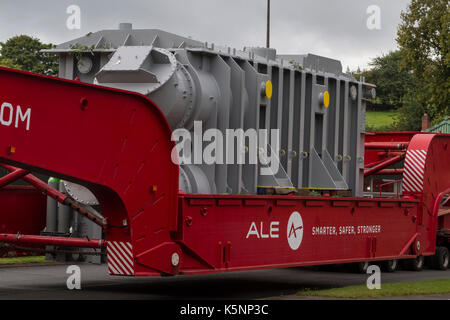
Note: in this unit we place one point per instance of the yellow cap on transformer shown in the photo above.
(269, 89)
(326, 99)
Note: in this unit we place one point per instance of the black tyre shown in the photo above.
(389, 265)
(361, 267)
(440, 260)
(416, 264)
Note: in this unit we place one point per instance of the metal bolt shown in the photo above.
(84, 103)
(175, 259)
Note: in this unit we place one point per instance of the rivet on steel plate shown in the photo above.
(175, 259)
(83, 103)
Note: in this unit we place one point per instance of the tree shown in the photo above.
(24, 52)
(409, 116)
(424, 41)
(392, 81)
(4, 62)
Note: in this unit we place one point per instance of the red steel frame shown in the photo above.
(118, 144)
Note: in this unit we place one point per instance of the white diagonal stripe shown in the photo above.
(417, 163)
(112, 261)
(120, 260)
(410, 184)
(413, 175)
(113, 264)
(124, 254)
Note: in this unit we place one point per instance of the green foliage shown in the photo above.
(23, 52)
(392, 81)
(409, 116)
(381, 121)
(23, 260)
(424, 41)
(441, 286)
(5, 62)
(295, 65)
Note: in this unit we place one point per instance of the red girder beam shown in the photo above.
(386, 145)
(13, 176)
(383, 165)
(55, 241)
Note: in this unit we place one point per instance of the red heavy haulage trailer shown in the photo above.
(22, 209)
(153, 229)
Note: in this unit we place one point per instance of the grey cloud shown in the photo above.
(335, 28)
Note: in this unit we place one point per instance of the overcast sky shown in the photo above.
(333, 28)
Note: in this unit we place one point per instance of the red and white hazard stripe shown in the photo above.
(120, 258)
(413, 174)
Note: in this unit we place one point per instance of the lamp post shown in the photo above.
(268, 24)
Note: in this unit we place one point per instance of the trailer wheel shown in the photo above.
(414, 264)
(360, 267)
(440, 260)
(389, 265)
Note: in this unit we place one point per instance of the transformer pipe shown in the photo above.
(64, 213)
(53, 241)
(384, 164)
(52, 208)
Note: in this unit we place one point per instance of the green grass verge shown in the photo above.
(441, 286)
(380, 120)
(23, 260)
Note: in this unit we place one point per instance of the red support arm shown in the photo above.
(382, 165)
(55, 241)
(56, 194)
(13, 176)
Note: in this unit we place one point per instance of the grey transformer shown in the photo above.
(319, 110)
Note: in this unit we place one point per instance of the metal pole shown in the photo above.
(268, 24)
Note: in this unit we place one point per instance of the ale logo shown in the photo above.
(295, 230)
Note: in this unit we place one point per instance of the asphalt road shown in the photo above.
(49, 282)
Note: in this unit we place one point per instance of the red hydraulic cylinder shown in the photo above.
(383, 165)
(55, 241)
(386, 145)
